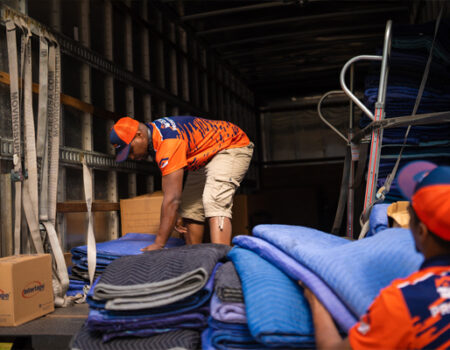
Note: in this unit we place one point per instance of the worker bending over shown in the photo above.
(217, 155)
(414, 312)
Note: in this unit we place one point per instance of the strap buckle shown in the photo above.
(19, 175)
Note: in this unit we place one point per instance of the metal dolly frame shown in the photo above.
(374, 129)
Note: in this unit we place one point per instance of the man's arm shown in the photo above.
(172, 185)
(326, 333)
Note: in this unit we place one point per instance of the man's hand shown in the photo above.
(310, 296)
(179, 226)
(154, 246)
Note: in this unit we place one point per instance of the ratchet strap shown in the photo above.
(91, 247)
(16, 173)
(41, 152)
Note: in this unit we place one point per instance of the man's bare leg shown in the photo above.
(220, 228)
(195, 230)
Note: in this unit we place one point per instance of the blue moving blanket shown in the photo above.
(228, 336)
(130, 244)
(344, 318)
(356, 271)
(277, 312)
(378, 220)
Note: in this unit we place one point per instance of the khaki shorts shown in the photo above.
(209, 191)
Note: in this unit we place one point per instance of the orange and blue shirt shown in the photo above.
(411, 313)
(190, 142)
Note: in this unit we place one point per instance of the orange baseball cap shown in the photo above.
(428, 187)
(121, 135)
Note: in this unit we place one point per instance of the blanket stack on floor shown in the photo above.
(130, 244)
(410, 49)
(253, 301)
(142, 296)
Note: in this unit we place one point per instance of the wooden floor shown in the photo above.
(52, 331)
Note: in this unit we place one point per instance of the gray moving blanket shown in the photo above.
(176, 340)
(159, 277)
(227, 284)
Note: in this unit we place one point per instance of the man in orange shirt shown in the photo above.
(413, 312)
(217, 155)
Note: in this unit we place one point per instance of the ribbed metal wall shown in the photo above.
(123, 58)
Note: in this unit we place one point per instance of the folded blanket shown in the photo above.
(226, 336)
(98, 322)
(182, 339)
(191, 303)
(277, 311)
(378, 220)
(227, 312)
(357, 270)
(228, 285)
(130, 244)
(196, 320)
(158, 278)
(343, 317)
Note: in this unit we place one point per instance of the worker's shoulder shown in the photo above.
(422, 289)
(422, 278)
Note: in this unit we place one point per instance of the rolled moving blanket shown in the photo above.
(277, 312)
(378, 220)
(159, 277)
(227, 285)
(228, 312)
(356, 271)
(179, 340)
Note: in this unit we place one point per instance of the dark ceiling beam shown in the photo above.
(306, 55)
(267, 77)
(236, 54)
(301, 34)
(299, 20)
(232, 10)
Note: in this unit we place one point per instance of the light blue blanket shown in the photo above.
(343, 317)
(356, 271)
(277, 312)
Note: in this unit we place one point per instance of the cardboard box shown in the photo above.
(142, 214)
(26, 290)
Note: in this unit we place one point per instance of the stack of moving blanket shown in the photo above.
(409, 55)
(253, 301)
(130, 244)
(142, 296)
(228, 321)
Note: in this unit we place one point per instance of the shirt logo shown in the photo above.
(443, 286)
(443, 309)
(163, 163)
(363, 328)
(168, 123)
